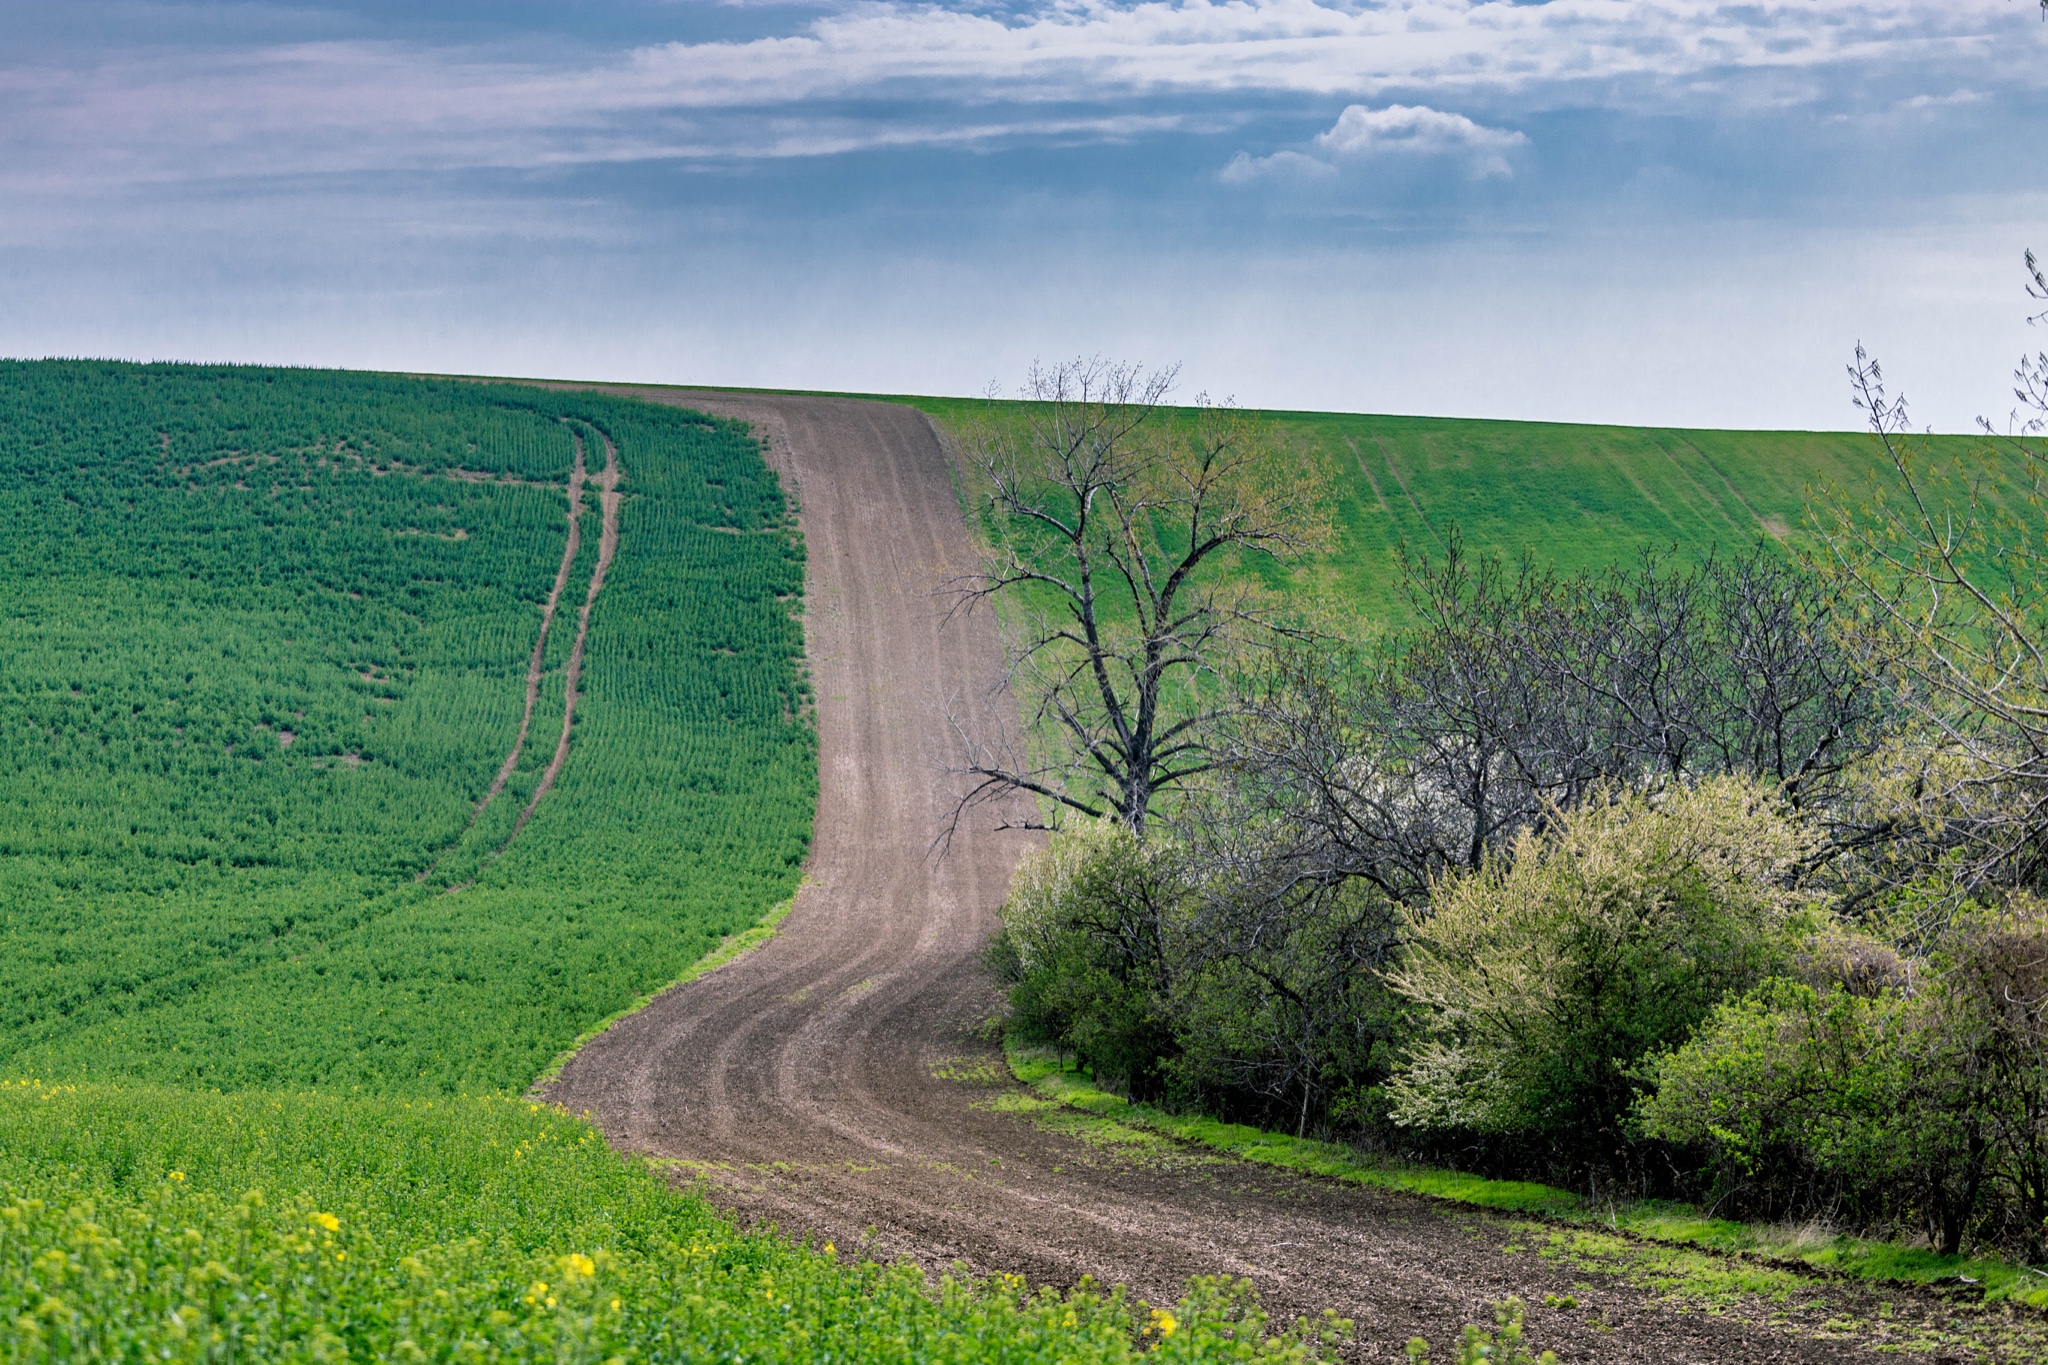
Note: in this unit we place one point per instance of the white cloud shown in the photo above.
(897, 72)
(1246, 169)
(1418, 130)
(1954, 99)
(1404, 130)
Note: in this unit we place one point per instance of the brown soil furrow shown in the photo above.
(805, 1084)
(534, 670)
(607, 547)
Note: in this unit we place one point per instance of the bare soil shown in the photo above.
(836, 1082)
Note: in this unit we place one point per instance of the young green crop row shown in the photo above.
(267, 648)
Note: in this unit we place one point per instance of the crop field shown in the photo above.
(1571, 496)
(143, 1223)
(266, 645)
(369, 739)
(365, 741)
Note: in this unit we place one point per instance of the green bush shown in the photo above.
(1546, 978)
(1477, 1346)
(1893, 1091)
(1160, 984)
(1083, 952)
(1281, 1012)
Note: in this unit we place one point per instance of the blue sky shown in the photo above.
(1672, 211)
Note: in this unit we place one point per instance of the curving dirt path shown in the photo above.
(834, 1081)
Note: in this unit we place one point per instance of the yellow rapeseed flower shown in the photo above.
(1163, 1322)
(327, 1221)
(577, 1266)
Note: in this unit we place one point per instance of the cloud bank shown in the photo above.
(892, 74)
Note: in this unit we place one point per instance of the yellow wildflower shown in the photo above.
(1163, 1323)
(327, 1221)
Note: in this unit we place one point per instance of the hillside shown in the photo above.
(1571, 496)
(367, 740)
(266, 650)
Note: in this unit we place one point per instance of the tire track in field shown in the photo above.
(534, 670)
(607, 547)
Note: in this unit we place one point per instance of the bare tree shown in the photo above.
(1116, 527)
(1948, 557)
(1521, 692)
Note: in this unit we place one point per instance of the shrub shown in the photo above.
(1082, 950)
(1893, 1091)
(1549, 975)
(1803, 1095)
(1998, 988)
(1280, 1010)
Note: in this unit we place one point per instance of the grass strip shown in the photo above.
(728, 950)
(1658, 1221)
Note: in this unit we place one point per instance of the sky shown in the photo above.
(1679, 212)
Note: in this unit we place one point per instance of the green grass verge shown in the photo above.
(730, 949)
(1757, 1246)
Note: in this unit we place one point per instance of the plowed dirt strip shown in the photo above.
(834, 1082)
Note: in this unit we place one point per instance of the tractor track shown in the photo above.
(608, 499)
(835, 1083)
(607, 548)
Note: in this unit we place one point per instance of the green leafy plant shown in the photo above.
(1477, 1346)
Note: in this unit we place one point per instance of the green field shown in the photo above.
(275, 978)
(1573, 497)
(265, 645)
(282, 952)
(139, 1223)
